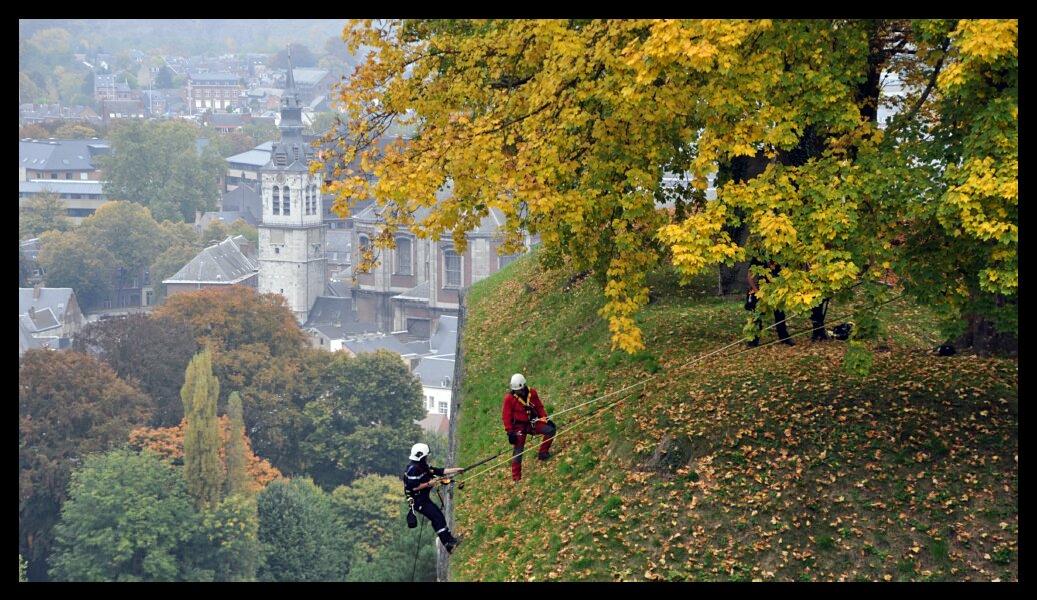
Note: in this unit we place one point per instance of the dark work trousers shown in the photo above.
(430, 510)
(541, 428)
(779, 318)
(817, 319)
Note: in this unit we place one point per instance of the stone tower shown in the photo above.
(291, 234)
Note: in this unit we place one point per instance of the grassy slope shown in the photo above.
(776, 465)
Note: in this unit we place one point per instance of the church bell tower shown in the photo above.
(291, 234)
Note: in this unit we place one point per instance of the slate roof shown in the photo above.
(435, 372)
(221, 263)
(225, 120)
(373, 344)
(337, 288)
(63, 155)
(444, 341)
(256, 157)
(328, 310)
(55, 299)
(122, 106)
(40, 320)
(27, 342)
(245, 200)
(308, 75)
(336, 318)
(418, 292)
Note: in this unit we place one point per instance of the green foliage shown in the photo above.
(44, 212)
(21, 569)
(364, 418)
(127, 231)
(296, 527)
(201, 433)
(151, 351)
(405, 551)
(567, 127)
(858, 359)
(242, 228)
(237, 476)
(215, 232)
(125, 520)
(156, 164)
(368, 513)
(227, 543)
(70, 260)
(69, 404)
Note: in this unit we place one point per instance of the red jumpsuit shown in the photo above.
(517, 418)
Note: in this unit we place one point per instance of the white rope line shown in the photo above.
(493, 465)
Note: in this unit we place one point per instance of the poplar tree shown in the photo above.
(237, 477)
(201, 433)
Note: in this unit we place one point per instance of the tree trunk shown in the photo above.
(732, 280)
(983, 337)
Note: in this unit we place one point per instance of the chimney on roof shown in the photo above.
(36, 291)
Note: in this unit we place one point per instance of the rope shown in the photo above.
(417, 550)
(810, 329)
(687, 364)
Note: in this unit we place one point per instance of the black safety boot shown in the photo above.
(543, 455)
(788, 342)
(451, 544)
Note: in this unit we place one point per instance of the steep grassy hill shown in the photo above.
(772, 464)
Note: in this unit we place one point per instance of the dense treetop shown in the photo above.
(567, 127)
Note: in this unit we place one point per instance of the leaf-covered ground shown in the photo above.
(772, 464)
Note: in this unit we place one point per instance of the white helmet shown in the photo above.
(517, 381)
(418, 451)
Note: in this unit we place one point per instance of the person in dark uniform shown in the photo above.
(417, 483)
(750, 303)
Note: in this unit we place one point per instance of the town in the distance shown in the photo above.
(303, 250)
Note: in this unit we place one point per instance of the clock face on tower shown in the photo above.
(280, 178)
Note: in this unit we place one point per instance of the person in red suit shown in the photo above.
(523, 415)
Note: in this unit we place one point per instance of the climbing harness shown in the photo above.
(645, 381)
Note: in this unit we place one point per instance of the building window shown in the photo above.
(287, 201)
(452, 266)
(442, 408)
(277, 200)
(68, 175)
(364, 244)
(403, 256)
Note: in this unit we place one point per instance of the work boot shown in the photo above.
(451, 544)
(788, 342)
(543, 455)
(753, 343)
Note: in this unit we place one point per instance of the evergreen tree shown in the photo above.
(201, 433)
(237, 476)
